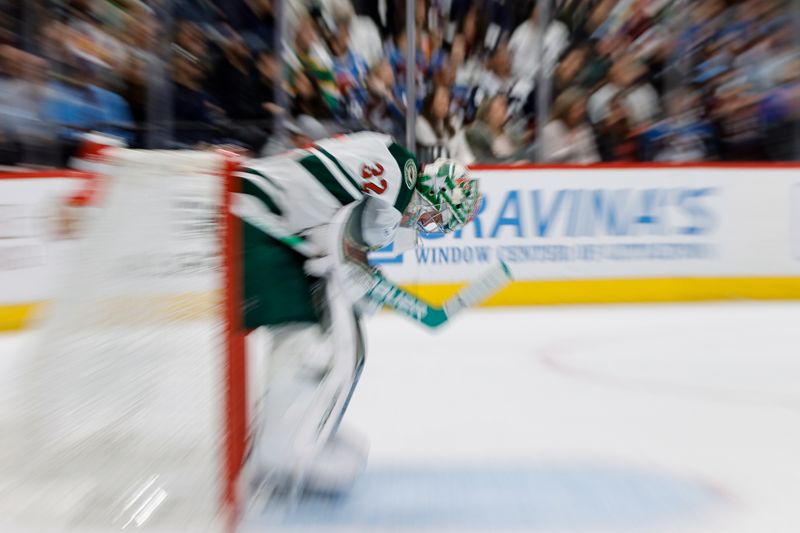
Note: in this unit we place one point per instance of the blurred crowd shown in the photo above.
(497, 81)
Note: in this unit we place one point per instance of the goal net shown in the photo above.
(130, 412)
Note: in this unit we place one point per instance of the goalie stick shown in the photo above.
(386, 293)
(383, 291)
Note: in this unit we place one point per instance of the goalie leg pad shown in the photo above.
(300, 388)
(310, 376)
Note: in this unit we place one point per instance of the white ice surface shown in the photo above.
(709, 394)
(705, 398)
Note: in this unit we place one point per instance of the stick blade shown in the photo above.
(479, 290)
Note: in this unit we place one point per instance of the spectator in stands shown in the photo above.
(568, 137)
(364, 36)
(268, 76)
(736, 116)
(638, 21)
(54, 41)
(683, 135)
(311, 58)
(436, 134)
(25, 135)
(616, 138)
(525, 42)
(597, 67)
(254, 20)
(444, 73)
(500, 17)
(194, 111)
(489, 138)
(236, 85)
(189, 37)
(612, 83)
(468, 70)
(202, 12)
(641, 99)
(779, 115)
(69, 104)
(568, 72)
(627, 75)
(232, 81)
(308, 98)
(145, 76)
(7, 24)
(113, 115)
(386, 110)
(7, 63)
(396, 51)
(90, 41)
(627, 54)
(498, 78)
(427, 39)
(472, 30)
(350, 70)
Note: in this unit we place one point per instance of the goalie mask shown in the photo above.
(446, 198)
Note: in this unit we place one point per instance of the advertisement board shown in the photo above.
(570, 234)
(32, 255)
(614, 223)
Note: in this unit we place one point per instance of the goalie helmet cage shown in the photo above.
(130, 411)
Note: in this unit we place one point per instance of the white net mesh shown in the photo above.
(119, 417)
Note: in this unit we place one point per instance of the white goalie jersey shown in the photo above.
(305, 188)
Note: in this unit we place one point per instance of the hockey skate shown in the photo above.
(330, 474)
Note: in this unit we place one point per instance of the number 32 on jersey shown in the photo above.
(371, 174)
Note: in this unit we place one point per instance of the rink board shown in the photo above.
(621, 233)
(175, 271)
(32, 255)
(570, 234)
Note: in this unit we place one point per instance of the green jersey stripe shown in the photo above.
(341, 168)
(251, 187)
(338, 173)
(408, 176)
(264, 176)
(325, 177)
